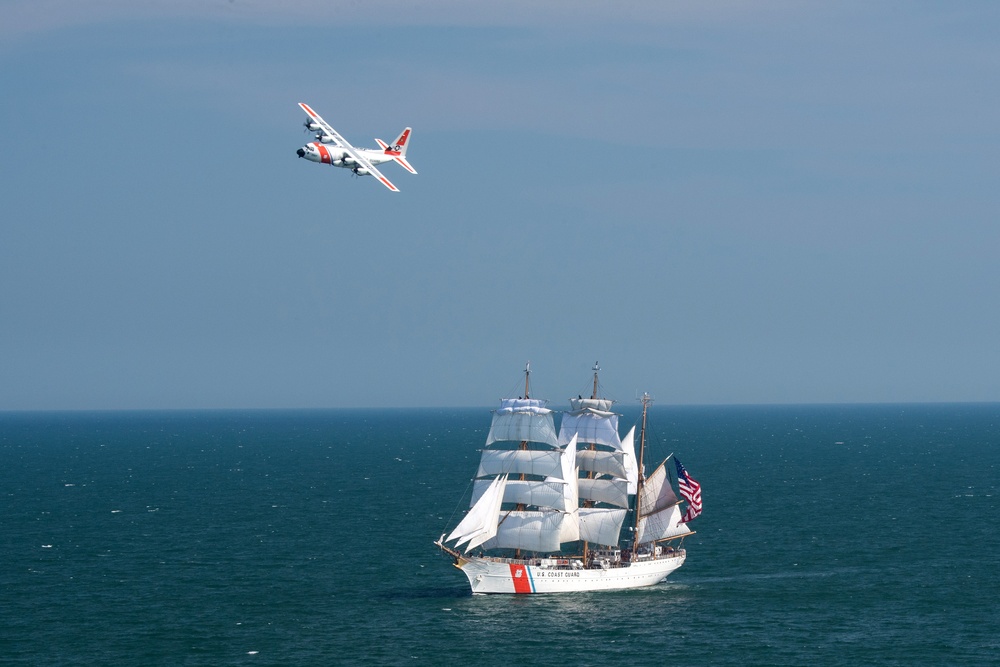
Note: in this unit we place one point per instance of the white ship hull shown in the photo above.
(496, 575)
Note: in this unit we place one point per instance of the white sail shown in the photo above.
(548, 493)
(592, 427)
(525, 424)
(657, 493)
(662, 525)
(601, 526)
(571, 495)
(611, 491)
(631, 465)
(536, 405)
(521, 461)
(480, 524)
(605, 463)
(570, 528)
(593, 404)
(534, 531)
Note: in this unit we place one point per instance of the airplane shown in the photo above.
(331, 148)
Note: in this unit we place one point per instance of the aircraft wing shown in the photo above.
(348, 148)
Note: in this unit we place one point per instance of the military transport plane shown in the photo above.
(331, 148)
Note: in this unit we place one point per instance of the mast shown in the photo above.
(538, 483)
(527, 389)
(590, 475)
(524, 443)
(646, 400)
(603, 480)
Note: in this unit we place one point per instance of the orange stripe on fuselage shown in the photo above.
(324, 154)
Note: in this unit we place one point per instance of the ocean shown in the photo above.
(831, 535)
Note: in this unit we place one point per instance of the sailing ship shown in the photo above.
(568, 511)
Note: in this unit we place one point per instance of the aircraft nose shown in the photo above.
(301, 152)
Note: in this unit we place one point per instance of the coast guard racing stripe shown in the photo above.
(324, 154)
(522, 579)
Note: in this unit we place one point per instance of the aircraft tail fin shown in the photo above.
(397, 150)
(402, 141)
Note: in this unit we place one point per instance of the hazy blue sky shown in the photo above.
(722, 202)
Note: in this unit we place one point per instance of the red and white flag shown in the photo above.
(690, 491)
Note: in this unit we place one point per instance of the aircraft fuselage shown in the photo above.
(338, 157)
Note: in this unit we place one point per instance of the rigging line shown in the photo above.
(458, 505)
(601, 393)
(654, 439)
(588, 389)
(518, 391)
(515, 390)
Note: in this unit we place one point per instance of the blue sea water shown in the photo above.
(832, 535)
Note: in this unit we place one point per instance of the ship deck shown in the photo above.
(576, 562)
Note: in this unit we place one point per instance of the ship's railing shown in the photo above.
(595, 564)
(536, 562)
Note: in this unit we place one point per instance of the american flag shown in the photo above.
(690, 491)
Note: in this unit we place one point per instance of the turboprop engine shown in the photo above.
(340, 158)
(361, 171)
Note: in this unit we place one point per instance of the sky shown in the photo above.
(722, 202)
